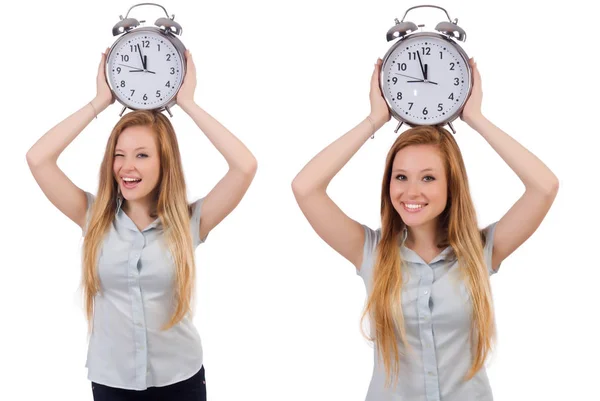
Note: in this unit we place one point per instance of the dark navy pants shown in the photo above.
(192, 389)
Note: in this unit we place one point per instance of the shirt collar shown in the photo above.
(126, 221)
(411, 256)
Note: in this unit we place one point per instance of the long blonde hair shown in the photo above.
(458, 225)
(170, 206)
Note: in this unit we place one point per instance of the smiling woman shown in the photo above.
(136, 160)
(426, 270)
(140, 234)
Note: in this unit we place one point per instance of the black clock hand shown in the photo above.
(425, 72)
(150, 72)
(141, 57)
(426, 82)
(421, 64)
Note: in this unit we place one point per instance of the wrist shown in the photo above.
(186, 105)
(377, 121)
(474, 120)
(99, 105)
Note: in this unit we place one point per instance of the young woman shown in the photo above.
(140, 235)
(427, 268)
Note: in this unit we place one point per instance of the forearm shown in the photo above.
(321, 169)
(236, 154)
(531, 171)
(49, 147)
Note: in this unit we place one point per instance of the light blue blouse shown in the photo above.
(436, 307)
(127, 348)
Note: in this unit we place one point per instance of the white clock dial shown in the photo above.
(144, 70)
(425, 80)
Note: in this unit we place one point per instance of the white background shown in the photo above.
(278, 310)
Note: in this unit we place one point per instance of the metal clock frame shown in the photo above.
(129, 26)
(443, 36)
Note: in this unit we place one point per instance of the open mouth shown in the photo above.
(413, 207)
(131, 183)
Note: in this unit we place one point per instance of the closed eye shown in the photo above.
(141, 154)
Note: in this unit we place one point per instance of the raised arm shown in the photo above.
(229, 191)
(43, 156)
(338, 230)
(541, 185)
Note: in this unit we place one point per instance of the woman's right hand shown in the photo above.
(380, 112)
(104, 96)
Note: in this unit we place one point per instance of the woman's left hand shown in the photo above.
(472, 109)
(185, 96)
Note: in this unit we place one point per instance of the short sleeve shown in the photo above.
(195, 222)
(488, 247)
(88, 208)
(372, 238)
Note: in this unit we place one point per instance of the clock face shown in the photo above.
(144, 70)
(425, 79)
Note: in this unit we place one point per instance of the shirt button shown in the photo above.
(426, 292)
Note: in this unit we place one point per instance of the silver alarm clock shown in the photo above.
(145, 66)
(425, 76)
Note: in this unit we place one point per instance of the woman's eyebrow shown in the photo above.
(120, 150)
(399, 170)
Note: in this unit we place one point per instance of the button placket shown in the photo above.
(140, 339)
(426, 334)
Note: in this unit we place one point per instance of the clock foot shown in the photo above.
(169, 111)
(122, 111)
(398, 127)
(452, 128)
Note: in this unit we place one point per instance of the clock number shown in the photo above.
(394, 80)
(145, 97)
(118, 70)
(168, 57)
(451, 97)
(425, 112)
(399, 96)
(426, 51)
(124, 57)
(402, 67)
(122, 84)
(157, 93)
(451, 66)
(441, 55)
(412, 55)
(132, 92)
(145, 43)
(411, 105)
(440, 108)
(172, 70)
(158, 44)
(456, 81)
(133, 48)
(168, 85)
